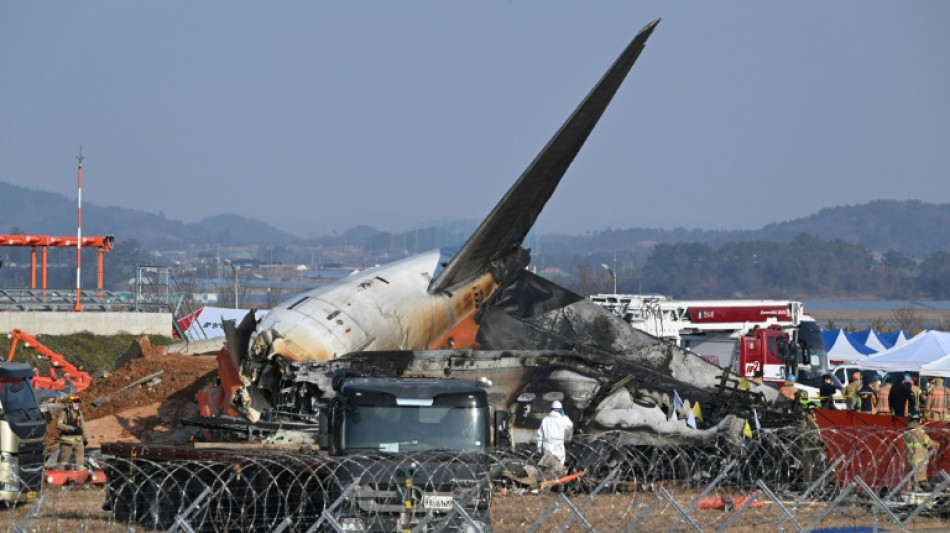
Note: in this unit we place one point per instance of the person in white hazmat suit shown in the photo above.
(551, 434)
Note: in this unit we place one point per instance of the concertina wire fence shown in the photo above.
(781, 480)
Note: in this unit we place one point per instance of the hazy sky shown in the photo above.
(318, 116)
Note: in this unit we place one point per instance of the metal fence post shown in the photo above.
(327, 514)
(636, 523)
(600, 486)
(34, 511)
(684, 513)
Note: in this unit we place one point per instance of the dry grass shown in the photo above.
(79, 508)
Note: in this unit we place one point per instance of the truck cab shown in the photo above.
(22, 435)
(413, 449)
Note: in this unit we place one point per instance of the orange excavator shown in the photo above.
(63, 376)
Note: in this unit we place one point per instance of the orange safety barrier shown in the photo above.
(565, 479)
(718, 503)
(69, 477)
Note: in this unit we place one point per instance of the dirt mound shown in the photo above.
(150, 411)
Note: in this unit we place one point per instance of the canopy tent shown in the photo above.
(843, 348)
(870, 338)
(938, 368)
(894, 338)
(925, 348)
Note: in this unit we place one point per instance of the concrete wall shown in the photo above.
(95, 322)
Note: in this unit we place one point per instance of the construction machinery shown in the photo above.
(63, 377)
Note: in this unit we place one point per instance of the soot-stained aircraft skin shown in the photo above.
(409, 304)
(478, 295)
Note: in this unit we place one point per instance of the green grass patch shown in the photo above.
(91, 352)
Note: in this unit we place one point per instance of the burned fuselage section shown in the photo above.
(538, 342)
(600, 393)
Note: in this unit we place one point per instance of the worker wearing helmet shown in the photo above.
(916, 445)
(827, 392)
(902, 397)
(551, 435)
(884, 398)
(937, 400)
(850, 391)
(788, 389)
(72, 434)
(867, 396)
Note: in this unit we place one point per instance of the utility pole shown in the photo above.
(612, 273)
(234, 270)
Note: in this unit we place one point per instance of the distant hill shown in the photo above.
(28, 211)
(912, 227)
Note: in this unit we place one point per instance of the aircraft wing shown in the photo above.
(512, 218)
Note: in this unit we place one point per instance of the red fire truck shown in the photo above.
(771, 339)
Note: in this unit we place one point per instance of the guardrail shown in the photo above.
(65, 300)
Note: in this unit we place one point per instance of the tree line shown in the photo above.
(805, 267)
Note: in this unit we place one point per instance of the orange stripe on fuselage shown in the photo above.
(460, 336)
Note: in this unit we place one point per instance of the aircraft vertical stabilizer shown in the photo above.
(504, 230)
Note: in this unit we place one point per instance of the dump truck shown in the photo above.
(22, 435)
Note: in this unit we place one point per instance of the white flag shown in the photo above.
(677, 402)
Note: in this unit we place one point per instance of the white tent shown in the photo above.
(939, 368)
(845, 349)
(870, 338)
(924, 348)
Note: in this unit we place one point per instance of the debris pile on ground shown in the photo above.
(149, 411)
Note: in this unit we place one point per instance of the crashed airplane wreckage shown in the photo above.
(425, 331)
(534, 343)
(480, 296)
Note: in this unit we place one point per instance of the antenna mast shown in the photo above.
(78, 306)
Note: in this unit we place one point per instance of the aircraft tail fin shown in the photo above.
(506, 227)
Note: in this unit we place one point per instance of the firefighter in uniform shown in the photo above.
(788, 389)
(902, 398)
(850, 392)
(916, 445)
(867, 397)
(72, 435)
(813, 449)
(883, 399)
(827, 393)
(937, 400)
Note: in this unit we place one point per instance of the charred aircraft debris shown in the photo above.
(476, 311)
(472, 312)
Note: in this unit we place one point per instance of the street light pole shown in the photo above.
(612, 273)
(234, 270)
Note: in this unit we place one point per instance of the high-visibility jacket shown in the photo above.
(788, 390)
(937, 402)
(883, 400)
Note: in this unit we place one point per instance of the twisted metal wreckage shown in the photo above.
(469, 312)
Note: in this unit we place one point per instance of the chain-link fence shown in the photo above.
(779, 480)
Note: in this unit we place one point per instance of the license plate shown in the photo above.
(439, 503)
